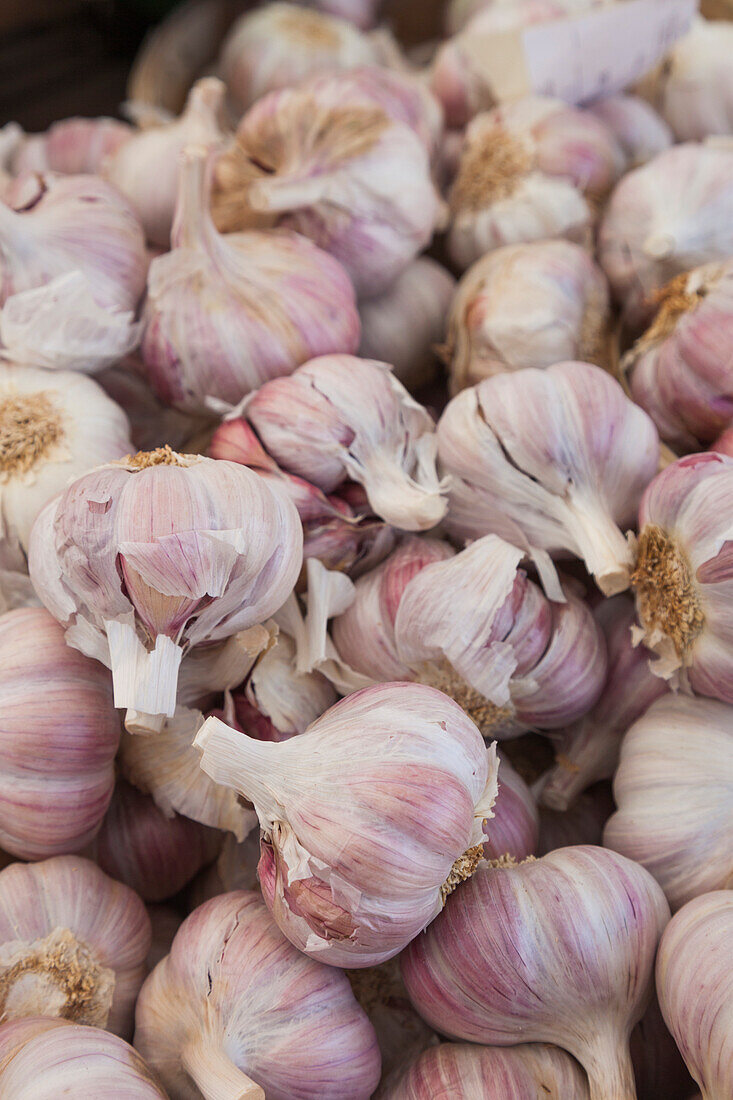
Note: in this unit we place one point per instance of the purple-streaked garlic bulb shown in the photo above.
(144, 558)
(659, 1069)
(60, 733)
(234, 1011)
(514, 828)
(674, 792)
(464, 1072)
(346, 876)
(44, 1059)
(206, 333)
(527, 305)
(588, 750)
(531, 169)
(695, 989)
(684, 574)
(152, 854)
(559, 950)
(331, 162)
(339, 417)
(146, 168)
(164, 922)
(571, 484)
(665, 218)
(637, 127)
(72, 146)
(582, 823)
(474, 626)
(403, 325)
(73, 943)
(279, 45)
(681, 370)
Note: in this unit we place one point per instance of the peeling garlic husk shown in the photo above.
(72, 146)
(530, 170)
(559, 949)
(679, 371)
(570, 486)
(527, 305)
(43, 1059)
(60, 736)
(346, 878)
(73, 943)
(210, 1019)
(674, 792)
(582, 823)
(146, 168)
(695, 989)
(637, 127)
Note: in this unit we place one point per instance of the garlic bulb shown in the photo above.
(146, 168)
(674, 792)
(531, 169)
(559, 949)
(683, 574)
(658, 1066)
(582, 823)
(73, 146)
(637, 127)
(464, 1072)
(344, 873)
(671, 215)
(568, 485)
(152, 424)
(236, 1013)
(340, 417)
(330, 161)
(60, 736)
(144, 558)
(479, 630)
(165, 922)
(514, 828)
(43, 1059)
(679, 371)
(693, 89)
(72, 943)
(422, 294)
(588, 751)
(206, 333)
(281, 44)
(362, 13)
(154, 855)
(527, 305)
(695, 989)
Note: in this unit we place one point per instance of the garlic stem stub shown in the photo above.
(559, 949)
(345, 873)
(142, 559)
(234, 1012)
(695, 989)
(572, 484)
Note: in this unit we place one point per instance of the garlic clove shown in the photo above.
(637, 127)
(73, 146)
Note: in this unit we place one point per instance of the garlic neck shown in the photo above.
(215, 1074)
(193, 226)
(161, 456)
(30, 426)
(665, 590)
(678, 297)
(599, 542)
(607, 1061)
(490, 170)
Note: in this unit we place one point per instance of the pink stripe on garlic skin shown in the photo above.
(234, 1012)
(207, 333)
(556, 950)
(674, 792)
(569, 485)
(349, 876)
(339, 417)
(514, 828)
(72, 146)
(695, 989)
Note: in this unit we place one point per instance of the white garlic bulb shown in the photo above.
(637, 127)
(693, 87)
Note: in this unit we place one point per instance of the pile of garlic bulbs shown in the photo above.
(366, 666)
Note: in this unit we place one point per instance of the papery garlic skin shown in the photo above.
(530, 170)
(340, 417)
(73, 943)
(695, 989)
(206, 334)
(329, 161)
(639, 130)
(203, 548)
(345, 876)
(146, 168)
(514, 828)
(572, 484)
(582, 823)
(674, 792)
(71, 146)
(557, 950)
(527, 305)
(42, 1059)
(362, 13)
(693, 89)
(422, 294)
(60, 737)
(210, 1018)
(463, 1072)
(679, 371)
(281, 44)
